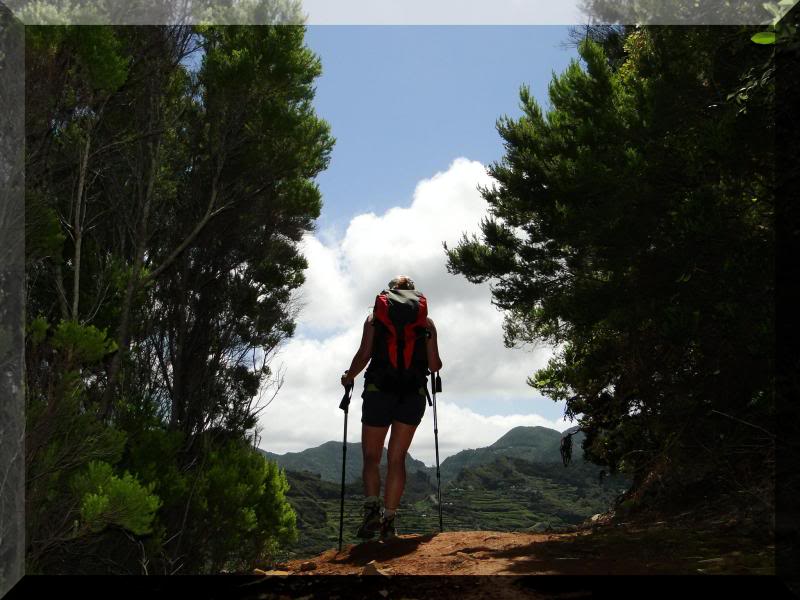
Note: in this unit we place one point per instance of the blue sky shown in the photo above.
(404, 101)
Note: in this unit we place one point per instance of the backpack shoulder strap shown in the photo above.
(380, 314)
(412, 329)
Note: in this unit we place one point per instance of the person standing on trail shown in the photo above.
(399, 343)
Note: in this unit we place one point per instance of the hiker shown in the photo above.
(392, 399)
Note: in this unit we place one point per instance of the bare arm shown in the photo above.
(363, 354)
(434, 360)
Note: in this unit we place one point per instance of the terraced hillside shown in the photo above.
(499, 491)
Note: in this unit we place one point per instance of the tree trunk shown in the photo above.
(134, 283)
(132, 286)
(62, 294)
(77, 227)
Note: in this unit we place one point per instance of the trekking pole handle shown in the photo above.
(345, 403)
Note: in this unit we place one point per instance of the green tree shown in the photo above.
(631, 227)
(261, 521)
(169, 178)
(255, 145)
(72, 494)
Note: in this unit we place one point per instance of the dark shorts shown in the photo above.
(380, 407)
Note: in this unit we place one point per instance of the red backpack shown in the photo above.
(399, 352)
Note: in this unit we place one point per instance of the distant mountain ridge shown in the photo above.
(535, 444)
(532, 443)
(533, 437)
(325, 460)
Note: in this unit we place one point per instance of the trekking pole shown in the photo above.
(436, 385)
(344, 405)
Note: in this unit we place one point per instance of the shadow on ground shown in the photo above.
(361, 554)
(639, 551)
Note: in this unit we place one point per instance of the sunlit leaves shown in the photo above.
(108, 499)
(764, 37)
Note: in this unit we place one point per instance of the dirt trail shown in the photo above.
(627, 551)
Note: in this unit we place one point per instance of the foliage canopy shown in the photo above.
(631, 226)
(169, 178)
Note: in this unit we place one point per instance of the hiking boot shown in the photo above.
(388, 530)
(372, 518)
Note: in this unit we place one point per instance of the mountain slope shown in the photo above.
(325, 460)
(535, 444)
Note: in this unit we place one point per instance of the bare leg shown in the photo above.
(399, 441)
(371, 448)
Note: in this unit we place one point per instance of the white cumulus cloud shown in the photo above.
(480, 376)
